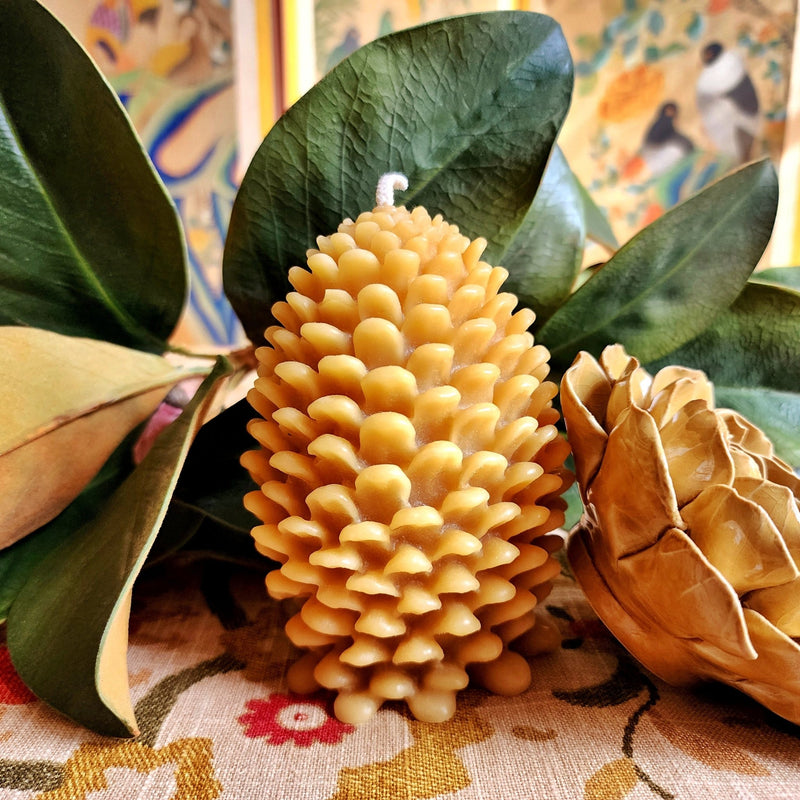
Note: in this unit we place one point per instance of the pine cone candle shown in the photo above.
(410, 469)
(689, 545)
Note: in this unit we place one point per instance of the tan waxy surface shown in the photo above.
(690, 544)
(409, 466)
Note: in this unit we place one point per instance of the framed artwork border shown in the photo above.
(785, 245)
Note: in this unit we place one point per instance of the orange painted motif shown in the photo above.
(632, 93)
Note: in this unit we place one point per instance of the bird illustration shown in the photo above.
(668, 166)
(348, 45)
(727, 102)
(663, 145)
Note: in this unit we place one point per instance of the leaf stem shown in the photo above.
(242, 357)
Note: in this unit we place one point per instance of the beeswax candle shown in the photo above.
(409, 470)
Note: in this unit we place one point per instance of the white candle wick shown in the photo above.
(387, 185)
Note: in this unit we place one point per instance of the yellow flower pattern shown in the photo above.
(85, 770)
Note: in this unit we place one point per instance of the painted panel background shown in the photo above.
(637, 135)
(171, 61)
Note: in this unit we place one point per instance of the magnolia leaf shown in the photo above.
(467, 108)
(667, 284)
(598, 228)
(212, 479)
(195, 535)
(544, 257)
(20, 559)
(574, 510)
(180, 524)
(90, 243)
(67, 627)
(784, 276)
(776, 413)
(751, 352)
(62, 395)
(207, 515)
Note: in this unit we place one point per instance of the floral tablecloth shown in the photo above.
(207, 663)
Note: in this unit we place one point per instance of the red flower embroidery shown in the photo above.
(285, 717)
(13, 691)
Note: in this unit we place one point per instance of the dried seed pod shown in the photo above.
(410, 469)
(689, 545)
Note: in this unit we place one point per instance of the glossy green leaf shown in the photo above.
(752, 354)
(468, 108)
(212, 479)
(193, 535)
(574, 507)
(67, 628)
(90, 243)
(784, 276)
(598, 228)
(544, 257)
(776, 413)
(667, 284)
(62, 395)
(18, 561)
(180, 524)
(207, 517)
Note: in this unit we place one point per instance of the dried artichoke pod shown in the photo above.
(410, 469)
(689, 544)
